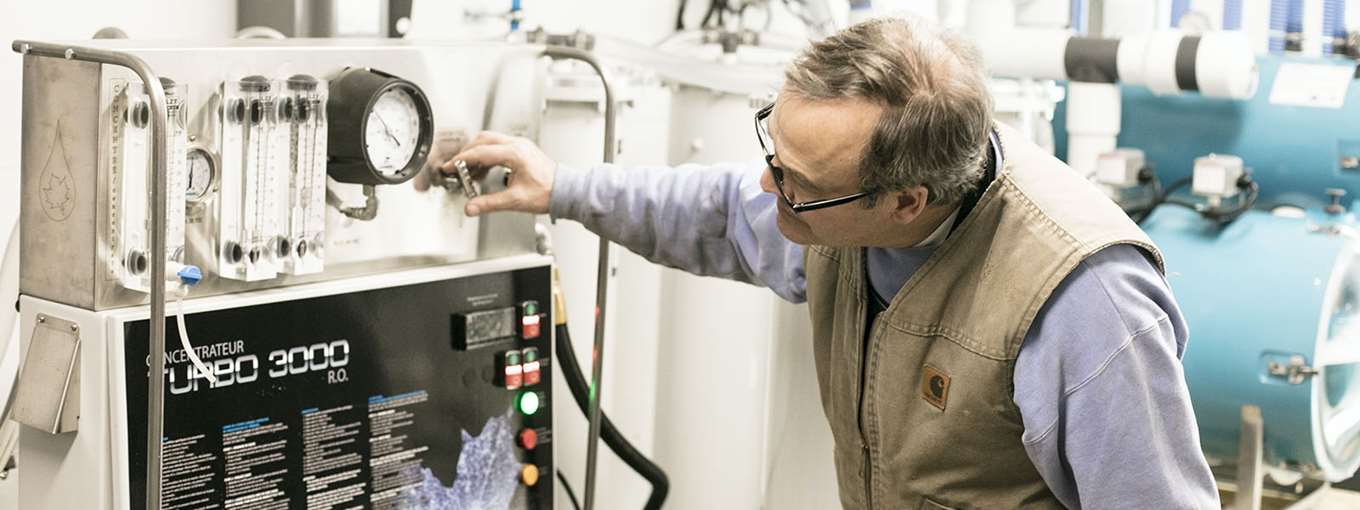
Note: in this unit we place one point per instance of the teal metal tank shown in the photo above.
(1270, 291)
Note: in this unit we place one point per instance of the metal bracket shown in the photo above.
(9, 445)
(47, 393)
(1296, 371)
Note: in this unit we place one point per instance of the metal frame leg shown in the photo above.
(1250, 472)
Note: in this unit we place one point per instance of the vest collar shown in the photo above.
(995, 160)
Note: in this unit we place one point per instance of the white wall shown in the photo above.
(76, 19)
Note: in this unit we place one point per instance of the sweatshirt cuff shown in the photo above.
(565, 199)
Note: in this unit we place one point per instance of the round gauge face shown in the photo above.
(200, 175)
(392, 134)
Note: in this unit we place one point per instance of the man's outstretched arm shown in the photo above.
(706, 220)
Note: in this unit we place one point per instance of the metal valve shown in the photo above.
(1296, 371)
(463, 181)
(1335, 194)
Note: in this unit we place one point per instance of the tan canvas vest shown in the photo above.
(938, 427)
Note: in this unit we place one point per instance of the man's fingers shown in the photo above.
(485, 156)
(490, 203)
(493, 137)
(489, 138)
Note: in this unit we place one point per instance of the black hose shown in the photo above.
(708, 15)
(1221, 217)
(571, 494)
(680, 16)
(1141, 214)
(576, 381)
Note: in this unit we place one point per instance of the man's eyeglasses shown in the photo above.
(763, 134)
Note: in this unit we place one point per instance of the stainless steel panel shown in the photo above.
(47, 393)
(59, 181)
(471, 87)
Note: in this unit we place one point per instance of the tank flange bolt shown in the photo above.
(1335, 194)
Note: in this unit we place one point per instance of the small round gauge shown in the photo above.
(380, 128)
(201, 174)
(393, 133)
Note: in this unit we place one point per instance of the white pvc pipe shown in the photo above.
(1124, 18)
(9, 290)
(1026, 53)
(1015, 52)
(1225, 66)
(1093, 116)
(9, 331)
(1150, 60)
(1053, 14)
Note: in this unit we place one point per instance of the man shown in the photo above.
(989, 330)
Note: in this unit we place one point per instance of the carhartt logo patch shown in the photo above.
(935, 387)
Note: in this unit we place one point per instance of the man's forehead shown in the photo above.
(822, 136)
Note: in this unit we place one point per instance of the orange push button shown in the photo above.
(529, 475)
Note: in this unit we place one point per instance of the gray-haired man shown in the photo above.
(990, 331)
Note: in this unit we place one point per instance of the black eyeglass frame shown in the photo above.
(778, 173)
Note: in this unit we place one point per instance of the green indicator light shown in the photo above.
(528, 403)
(530, 308)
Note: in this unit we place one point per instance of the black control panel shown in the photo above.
(435, 395)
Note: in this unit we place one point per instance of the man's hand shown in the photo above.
(531, 173)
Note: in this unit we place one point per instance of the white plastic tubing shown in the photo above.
(9, 289)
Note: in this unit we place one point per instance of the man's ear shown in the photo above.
(908, 203)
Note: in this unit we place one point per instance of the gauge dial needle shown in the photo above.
(386, 129)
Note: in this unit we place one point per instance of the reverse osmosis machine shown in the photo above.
(333, 336)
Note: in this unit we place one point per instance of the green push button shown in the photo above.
(528, 403)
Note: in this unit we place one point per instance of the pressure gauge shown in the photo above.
(201, 174)
(380, 128)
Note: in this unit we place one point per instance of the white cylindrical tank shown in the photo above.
(9, 288)
(572, 133)
(9, 268)
(739, 420)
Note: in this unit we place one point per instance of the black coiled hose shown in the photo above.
(571, 371)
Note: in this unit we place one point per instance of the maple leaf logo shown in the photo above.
(57, 188)
(56, 191)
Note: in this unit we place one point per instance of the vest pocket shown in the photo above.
(927, 504)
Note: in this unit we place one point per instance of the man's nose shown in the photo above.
(767, 181)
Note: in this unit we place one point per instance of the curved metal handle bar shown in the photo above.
(156, 398)
(601, 276)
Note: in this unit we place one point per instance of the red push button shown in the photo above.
(528, 439)
(529, 320)
(530, 327)
(514, 371)
(532, 373)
